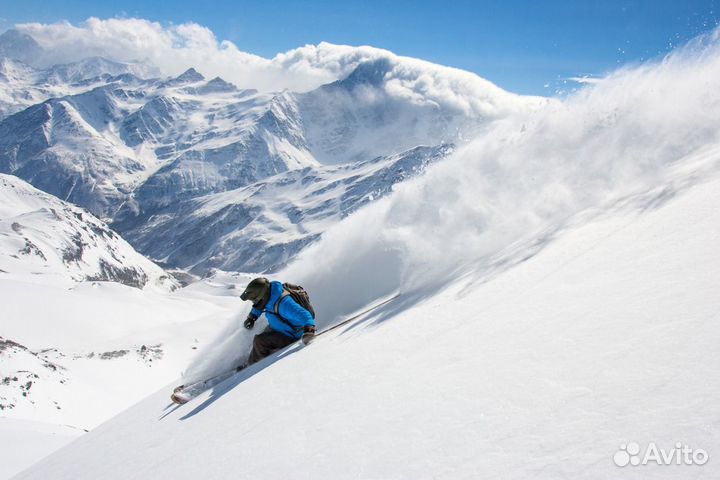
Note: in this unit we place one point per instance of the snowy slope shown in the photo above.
(24, 442)
(79, 339)
(73, 355)
(90, 350)
(42, 235)
(606, 336)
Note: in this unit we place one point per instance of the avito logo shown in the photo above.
(630, 454)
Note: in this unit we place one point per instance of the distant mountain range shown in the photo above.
(197, 173)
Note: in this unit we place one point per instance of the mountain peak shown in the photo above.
(190, 75)
(217, 84)
(372, 72)
(19, 46)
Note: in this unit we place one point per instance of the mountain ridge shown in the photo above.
(44, 235)
(128, 148)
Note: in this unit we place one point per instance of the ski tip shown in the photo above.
(177, 399)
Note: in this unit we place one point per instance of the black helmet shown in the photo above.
(257, 291)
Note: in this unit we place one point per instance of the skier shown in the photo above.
(288, 320)
(290, 317)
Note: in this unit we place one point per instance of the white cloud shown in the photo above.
(585, 80)
(175, 48)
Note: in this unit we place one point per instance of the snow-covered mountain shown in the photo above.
(22, 85)
(97, 147)
(42, 235)
(20, 46)
(368, 114)
(138, 152)
(264, 225)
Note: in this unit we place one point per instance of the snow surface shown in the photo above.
(75, 350)
(606, 336)
(558, 279)
(24, 442)
(74, 354)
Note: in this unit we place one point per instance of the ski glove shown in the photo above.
(309, 334)
(250, 321)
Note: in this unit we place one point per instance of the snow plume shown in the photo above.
(502, 197)
(225, 352)
(175, 48)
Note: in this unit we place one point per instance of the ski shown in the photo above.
(360, 314)
(185, 393)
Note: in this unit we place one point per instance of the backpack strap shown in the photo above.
(284, 294)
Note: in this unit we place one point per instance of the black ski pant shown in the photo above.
(266, 343)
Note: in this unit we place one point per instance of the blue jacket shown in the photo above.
(290, 311)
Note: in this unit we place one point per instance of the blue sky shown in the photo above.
(523, 46)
